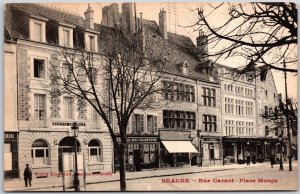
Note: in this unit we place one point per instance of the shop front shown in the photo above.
(11, 168)
(211, 151)
(176, 148)
(236, 149)
(144, 151)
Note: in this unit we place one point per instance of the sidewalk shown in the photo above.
(53, 182)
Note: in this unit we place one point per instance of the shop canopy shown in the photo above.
(179, 147)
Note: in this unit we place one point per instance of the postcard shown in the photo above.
(137, 96)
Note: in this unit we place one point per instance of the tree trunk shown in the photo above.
(121, 154)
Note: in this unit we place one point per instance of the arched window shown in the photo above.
(40, 152)
(95, 151)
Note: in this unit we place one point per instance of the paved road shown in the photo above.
(250, 178)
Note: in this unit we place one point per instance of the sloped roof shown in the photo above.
(49, 12)
(183, 49)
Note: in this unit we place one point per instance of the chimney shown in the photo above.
(163, 23)
(128, 21)
(202, 46)
(110, 15)
(89, 17)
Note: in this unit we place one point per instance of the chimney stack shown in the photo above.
(110, 15)
(163, 23)
(202, 45)
(128, 21)
(89, 17)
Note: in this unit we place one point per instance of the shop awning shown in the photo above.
(179, 147)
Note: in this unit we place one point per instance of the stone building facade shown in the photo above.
(44, 119)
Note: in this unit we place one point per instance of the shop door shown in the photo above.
(137, 159)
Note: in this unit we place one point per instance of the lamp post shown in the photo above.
(75, 129)
(199, 147)
(280, 143)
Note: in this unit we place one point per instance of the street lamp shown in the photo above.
(280, 143)
(199, 147)
(75, 129)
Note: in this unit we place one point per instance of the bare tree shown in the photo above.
(263, 34)
(123, 76)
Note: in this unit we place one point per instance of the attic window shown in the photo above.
(185, 68)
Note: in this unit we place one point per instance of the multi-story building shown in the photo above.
(267, 100)
(239, 115)
(39, 121)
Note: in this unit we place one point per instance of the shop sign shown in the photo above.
(139, 139)
(10, 136)
(174, 135)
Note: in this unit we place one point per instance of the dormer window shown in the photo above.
(185, 68)
(66, 35)
(37, 28)
(91, 41)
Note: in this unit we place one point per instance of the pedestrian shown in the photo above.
(27, 175)
(248, 158)
(272, 160)
(253, 158)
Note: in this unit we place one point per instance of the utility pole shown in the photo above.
(287, 118)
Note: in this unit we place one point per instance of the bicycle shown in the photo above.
(130, 168)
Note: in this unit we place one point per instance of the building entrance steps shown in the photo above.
(53, 182)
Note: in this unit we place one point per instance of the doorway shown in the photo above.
(66, 145)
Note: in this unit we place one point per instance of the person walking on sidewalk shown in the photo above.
(272, 160)
(27, 175)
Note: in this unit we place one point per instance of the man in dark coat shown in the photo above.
(27, 175)
(272, 160)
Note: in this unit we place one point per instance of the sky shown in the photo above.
(180, 18)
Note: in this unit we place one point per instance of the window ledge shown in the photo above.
(95, 163)
(38, 166)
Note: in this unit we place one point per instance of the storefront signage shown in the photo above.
(10, 136)
(174, 135)
(139, 139)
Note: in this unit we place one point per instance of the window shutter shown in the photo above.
(142, 124)
(116, 126)
(133, 123)
(155, 123)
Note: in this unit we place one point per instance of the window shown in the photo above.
(151, 124)
(40, 106)
(209, 123)
(149, 155)
(239, 107)
(37, 32)
(229, 105)
(274, 95)
(138, 123)
(39, 68)
(209, 96)
(267, 130)
(249, 108)
(179, 91)
(40, 152)
(68, 107)
(266, 112)
(95, 151)
(266, 92)
(66, 38)
(179, 119)
(240, 128)
(229, 127)
(92, 43)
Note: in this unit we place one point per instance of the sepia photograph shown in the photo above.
(150, 96)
